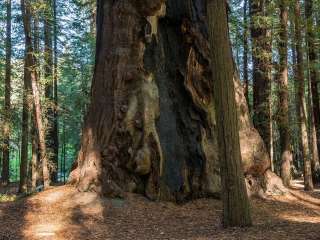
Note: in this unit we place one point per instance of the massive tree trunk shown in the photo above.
(283, 111)
(150, 127)
(7, 102)
(262, 58)
(236, 207)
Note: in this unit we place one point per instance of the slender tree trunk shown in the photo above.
(312, 54)
(245, 53)
(262, 57)
(312, 129)
(64, 152)
(283, 111)
(236, 209)
(25, 126)
(34, 158)
(7, 102)
(50, 91)
(312, 73)
(25, 8)
(302, 115)
(297, 143)
(36, 169)
(55, 133)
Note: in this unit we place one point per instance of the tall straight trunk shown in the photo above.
(55, 131)
(262, 58)
(312, 129)
(297, 143)
(302, 115)
(35, 168)
(283, 111)
(312, 54)
(51, 131)
(7, 102)
(236, 209)
(64, 153)
(312, 72)
(34, 157)
(30, 66)
(25, 127)
(245, 53)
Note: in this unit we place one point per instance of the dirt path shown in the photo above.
(64, 213)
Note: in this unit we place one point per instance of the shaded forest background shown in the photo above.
(75, 53)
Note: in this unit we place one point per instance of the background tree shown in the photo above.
(283, 116)
(7, 102)
(246, 52)
(312, 56)
(261, 58)
(302, 115)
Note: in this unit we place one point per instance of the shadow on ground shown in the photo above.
(64, 213)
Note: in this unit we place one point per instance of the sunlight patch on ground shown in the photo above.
(43, 231)
(54, 196)
(7, 198)
(300, 218)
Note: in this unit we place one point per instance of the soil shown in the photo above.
(63, 213)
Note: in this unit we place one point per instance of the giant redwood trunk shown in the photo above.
(150, 127)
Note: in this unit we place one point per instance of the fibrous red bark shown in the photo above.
(150, 127)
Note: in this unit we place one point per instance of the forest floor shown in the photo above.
(62, 213)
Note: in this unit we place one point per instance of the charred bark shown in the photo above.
(150, 127)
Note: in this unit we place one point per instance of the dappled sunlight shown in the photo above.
(300, 217)
(53, 197)
(63, 213)
(7, 198)
(43, 230)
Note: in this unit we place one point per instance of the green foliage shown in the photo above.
(76, 48)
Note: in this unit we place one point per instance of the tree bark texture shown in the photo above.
(55, 93)
(51, 130)
(302, 114)
(236, 207)
(245, 53)
(262, 58)
(314, 75)
(30, 66)
(150, 127)
(7, 102)
(27, 100)
(283, 111)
